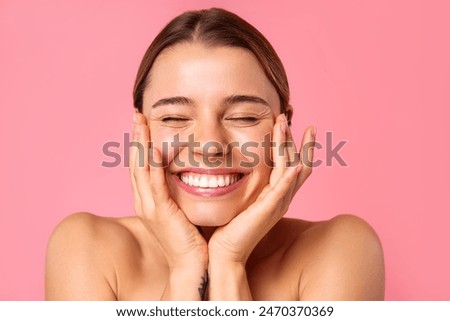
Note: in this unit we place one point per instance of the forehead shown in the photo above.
(192, 69)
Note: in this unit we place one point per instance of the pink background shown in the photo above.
(375, 73)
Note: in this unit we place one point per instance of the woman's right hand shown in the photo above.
(185, 249)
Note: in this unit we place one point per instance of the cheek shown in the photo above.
(253, 134)
(162, 138)
(255, 143)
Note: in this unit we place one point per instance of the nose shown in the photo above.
(211, 139)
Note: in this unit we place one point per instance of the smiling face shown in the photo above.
(212, 97)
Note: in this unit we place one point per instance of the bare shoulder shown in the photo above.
(81, 256)
(341, 259)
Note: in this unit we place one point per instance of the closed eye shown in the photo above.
(244, 119)
(173, 119)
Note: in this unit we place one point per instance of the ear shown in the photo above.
(289, 112)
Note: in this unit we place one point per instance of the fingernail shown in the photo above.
(314, 132)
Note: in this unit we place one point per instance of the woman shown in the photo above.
(212, 97)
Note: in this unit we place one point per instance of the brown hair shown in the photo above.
(214, 27)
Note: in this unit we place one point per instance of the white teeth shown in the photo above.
(221, 181)
(209, 181)
(212, 182)
(204, 181)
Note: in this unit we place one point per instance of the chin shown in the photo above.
(209, 214)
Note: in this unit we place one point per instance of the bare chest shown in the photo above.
(267, 281)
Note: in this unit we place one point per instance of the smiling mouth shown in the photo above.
(209, 181)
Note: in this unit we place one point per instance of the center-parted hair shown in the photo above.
(214, 27)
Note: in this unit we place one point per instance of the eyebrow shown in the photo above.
(236, 99)
(230, 100)
(178, 100)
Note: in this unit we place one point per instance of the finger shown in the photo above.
(133, 151)
(141, 169)
(158, 185)
(139, 118)
(294, 156)
(286, 182)
(294, 159)
(283, 185)
(279, 153)
(132, 162)
(136, 152)
(307, 155)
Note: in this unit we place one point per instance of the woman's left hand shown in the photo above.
(235, 241)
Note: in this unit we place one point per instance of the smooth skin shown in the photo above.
(241, 239)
